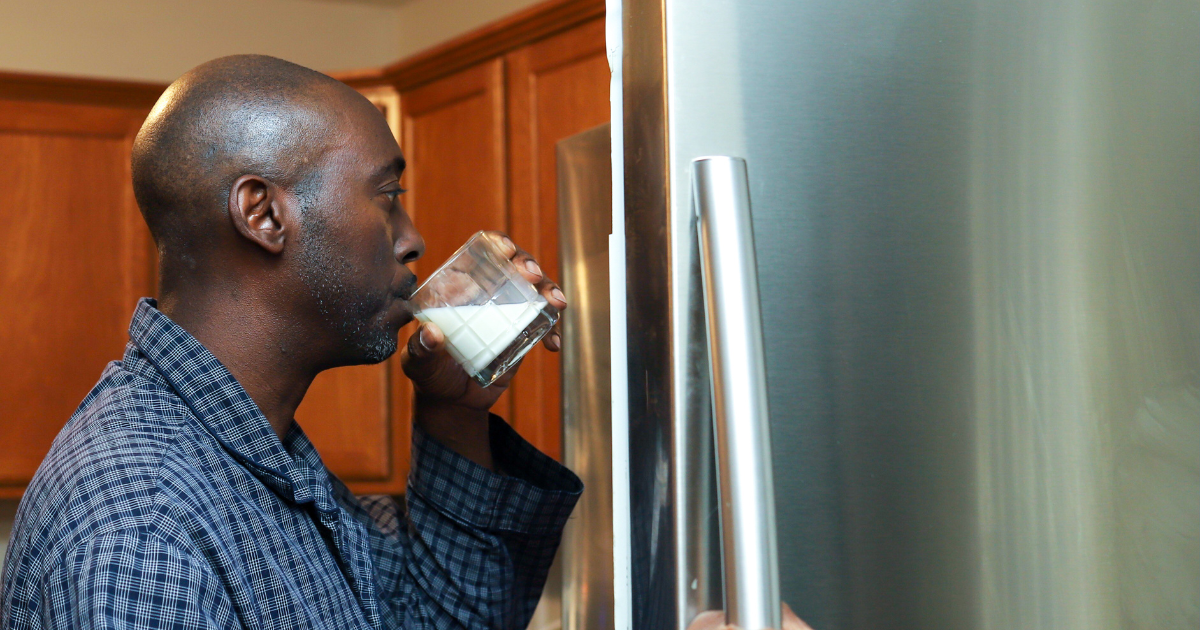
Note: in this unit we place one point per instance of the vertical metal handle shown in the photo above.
(721, 195)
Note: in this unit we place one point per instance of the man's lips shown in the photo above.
(405, 292)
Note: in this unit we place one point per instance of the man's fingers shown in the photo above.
(553, 294)
(504, 244)
(555, 297)
(521, 259)
(709, 620)
(525, 264)
(553, 341)
(791, 621)
(535, 270)
(529, 268)
(715, 620)
(532, 271)
(432, 370)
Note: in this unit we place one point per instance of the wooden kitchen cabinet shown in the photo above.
(453, 138)
(75, 256)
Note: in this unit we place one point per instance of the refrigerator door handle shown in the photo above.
(721, 197)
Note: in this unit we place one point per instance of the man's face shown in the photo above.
(356, 239)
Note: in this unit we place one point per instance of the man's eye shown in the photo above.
(392, 194)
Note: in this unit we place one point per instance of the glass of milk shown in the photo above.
(490, 314)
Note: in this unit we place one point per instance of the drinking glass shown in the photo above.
(490, 314)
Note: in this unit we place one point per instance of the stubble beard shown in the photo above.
(357, 318)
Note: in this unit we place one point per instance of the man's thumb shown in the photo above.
(426, 342)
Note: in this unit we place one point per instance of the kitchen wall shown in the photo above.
(151, 40)
(157, 41)
(425, 23)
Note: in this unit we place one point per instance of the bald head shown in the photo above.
(273, 194)
(245, 114)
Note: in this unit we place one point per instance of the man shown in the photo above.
(182, 494)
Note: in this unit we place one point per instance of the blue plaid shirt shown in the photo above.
(167, 501)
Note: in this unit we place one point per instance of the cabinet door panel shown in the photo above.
(454, 142)
(74, 258)
(556, 88)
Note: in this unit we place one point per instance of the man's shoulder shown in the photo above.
(126, 424)
(106, 491)
(105, 470)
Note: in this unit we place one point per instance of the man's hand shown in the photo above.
(450, 406)
(715, 620)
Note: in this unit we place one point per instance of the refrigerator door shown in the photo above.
(976, 231)
(584, 223)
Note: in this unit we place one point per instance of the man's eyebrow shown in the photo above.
(395, 167)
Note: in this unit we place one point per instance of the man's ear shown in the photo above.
(258, 213)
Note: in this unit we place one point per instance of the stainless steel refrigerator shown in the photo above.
(976, 237)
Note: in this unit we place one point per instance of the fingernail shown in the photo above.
(558, 295)
(556, 341)
(533, 268)
(508, 242)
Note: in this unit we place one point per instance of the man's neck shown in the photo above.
(256, 347)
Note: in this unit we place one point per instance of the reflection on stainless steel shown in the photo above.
(585, 221)
(697, 539)
(976, 228)
(650, 361)
(1084, 210)
(746, 490)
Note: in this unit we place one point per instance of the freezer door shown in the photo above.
(976, 236)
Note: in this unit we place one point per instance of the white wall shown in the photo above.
(424, 23)
(157, 40)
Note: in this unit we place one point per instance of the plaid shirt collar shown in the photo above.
(292, 467)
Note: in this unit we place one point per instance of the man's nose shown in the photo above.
(409, 247)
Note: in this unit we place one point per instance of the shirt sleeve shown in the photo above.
(476, 545)
(134, 580)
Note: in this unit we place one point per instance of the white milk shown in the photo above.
(476, 335)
